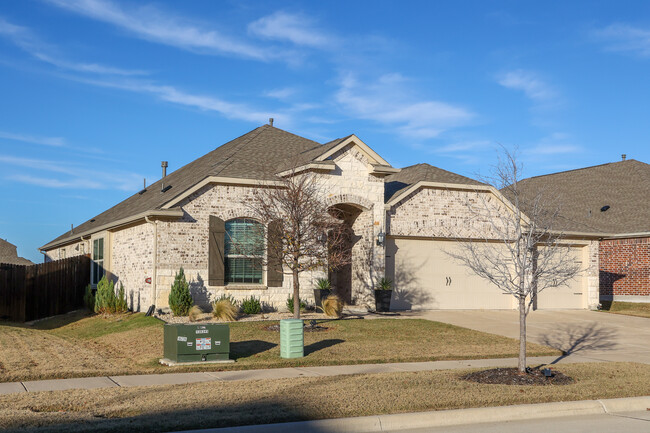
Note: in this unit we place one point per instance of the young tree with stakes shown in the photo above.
(521, 253)
(302, 231)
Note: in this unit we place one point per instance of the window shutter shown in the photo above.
(274, 274)
(215, 251)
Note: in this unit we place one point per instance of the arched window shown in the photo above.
(244, 251)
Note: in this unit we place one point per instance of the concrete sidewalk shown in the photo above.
(274, 373)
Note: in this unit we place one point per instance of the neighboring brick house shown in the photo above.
(186, 218)
(9, 255)
(610, 201)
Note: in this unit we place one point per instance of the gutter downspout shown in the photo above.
(154, 279)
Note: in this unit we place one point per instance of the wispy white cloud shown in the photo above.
(625, 38)
(557, 143)
(281, 94)
(194, 100)
(388, 101)
(64, 174)
(28, 41)
(530, 83)
(45, 141)
(156, 25)
(298, 29)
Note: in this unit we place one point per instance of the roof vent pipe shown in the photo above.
(164, 168)
(623, 157)
(270, 121)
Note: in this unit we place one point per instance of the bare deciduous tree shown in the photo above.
(520, 252)
(302, 232)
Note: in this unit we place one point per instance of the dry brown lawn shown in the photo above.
(220, 404)
(78, 345)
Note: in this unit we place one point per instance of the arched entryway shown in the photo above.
(341, 276)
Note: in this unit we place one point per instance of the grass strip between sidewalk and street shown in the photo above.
(78, 345)
(222, 403)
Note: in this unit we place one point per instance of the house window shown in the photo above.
(244, 251)
(97, 267)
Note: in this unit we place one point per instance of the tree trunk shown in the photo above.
(296, 295)
(522, 335)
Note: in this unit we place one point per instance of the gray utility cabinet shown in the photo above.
(197, 343)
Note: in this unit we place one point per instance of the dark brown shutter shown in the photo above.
(274, 274)
(216, 263)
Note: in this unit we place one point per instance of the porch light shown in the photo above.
(381, 237)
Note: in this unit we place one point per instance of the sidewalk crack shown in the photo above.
(111, 379)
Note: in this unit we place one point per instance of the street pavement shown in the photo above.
(628, 422)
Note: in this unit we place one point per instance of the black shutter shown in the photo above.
(216, 263)
(274, 274)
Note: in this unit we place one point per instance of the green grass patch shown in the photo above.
(638, 309)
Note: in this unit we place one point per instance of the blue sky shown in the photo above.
(95, 93)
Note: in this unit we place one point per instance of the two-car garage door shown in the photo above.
(425, 277)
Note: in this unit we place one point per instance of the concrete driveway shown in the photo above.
(580, 334)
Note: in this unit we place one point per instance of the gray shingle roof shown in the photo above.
(624, 186)
(9, 254)
(258, 155)
(398, 182)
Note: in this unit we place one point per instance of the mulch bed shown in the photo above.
(511, 376)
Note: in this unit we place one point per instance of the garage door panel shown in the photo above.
(571, 295)
(427, 278)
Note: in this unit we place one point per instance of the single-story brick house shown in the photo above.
(185, 219)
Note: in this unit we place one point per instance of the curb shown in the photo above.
(404, 421)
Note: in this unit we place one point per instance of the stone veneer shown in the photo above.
(625, 269)
(185, 242)
(72, 250)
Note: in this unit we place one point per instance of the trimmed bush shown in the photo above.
(121, 305)
(224, 308)
(251, 305)
(105, 297)
(195, 313)
(180, 299)
(333, 306)
(303, 305)
(89, 299)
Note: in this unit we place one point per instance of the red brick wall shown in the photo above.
(625, 266)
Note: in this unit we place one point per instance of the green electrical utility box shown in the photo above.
(292, 342)
(196, 343)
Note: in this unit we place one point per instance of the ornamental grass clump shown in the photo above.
(384, 284)
(333, 306)
(195, 313)
(251, 305)
(225, 308)
(180, 299)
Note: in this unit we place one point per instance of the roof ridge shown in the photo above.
(585, 168)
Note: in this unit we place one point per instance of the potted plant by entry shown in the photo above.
(383, 292)
(322, 290)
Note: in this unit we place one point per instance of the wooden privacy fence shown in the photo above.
(38, 291)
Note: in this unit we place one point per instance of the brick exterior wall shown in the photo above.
(132, 262)
(625, 267)
(72, 250)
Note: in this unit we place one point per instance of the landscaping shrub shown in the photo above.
(105, 298)
(303, 305)
(225, 308)
(121, 305)
(180, 299)
(195, 313)
(89, 299)
(251, 305)
(384, 284)
(323, 284)
(333, 306)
